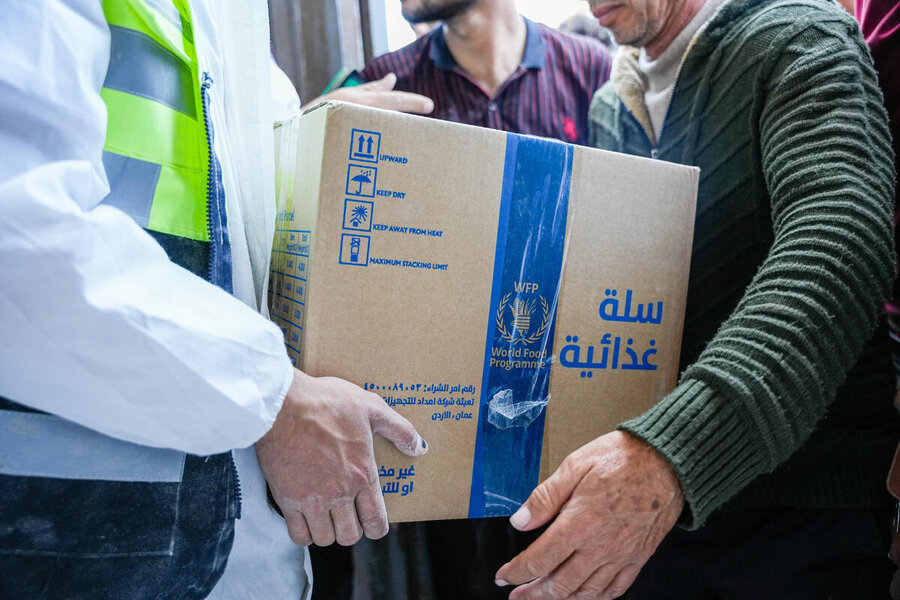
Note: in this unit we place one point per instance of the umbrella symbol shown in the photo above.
(359, 214)
(361, 179)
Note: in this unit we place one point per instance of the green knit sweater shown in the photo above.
(785, 395)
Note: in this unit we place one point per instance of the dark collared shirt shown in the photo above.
(548, 94)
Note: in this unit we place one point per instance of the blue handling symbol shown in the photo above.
(361, 179)
(363, 141)
(359, 214)
(354, 249)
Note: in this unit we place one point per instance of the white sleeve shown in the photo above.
(285, 100)
(96, 325)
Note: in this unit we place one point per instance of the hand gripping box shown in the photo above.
(514, 297)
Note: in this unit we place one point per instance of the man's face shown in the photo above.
(419, 11)
(633, 22)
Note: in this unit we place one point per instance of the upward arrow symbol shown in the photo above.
(369, 149)
(362, 140)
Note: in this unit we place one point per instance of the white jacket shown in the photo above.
(96, 325)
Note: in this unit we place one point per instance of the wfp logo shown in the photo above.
(522, 321)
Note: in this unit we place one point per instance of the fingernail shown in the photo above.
(521, 519)
(422, 447)
(500, 583)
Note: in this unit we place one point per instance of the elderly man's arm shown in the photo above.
(767, 378)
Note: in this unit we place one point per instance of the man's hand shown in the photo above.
(320, 465)
(617, 499)
(380, 94)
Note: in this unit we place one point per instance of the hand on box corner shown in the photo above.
(381, 94)
(319, 461)
(617, 498)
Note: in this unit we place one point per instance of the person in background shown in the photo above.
(144, 396)
(880, 23)
(484, 65)
(771, 453)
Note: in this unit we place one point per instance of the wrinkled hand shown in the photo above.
(319, 461)
(381, 94)
(617, 499)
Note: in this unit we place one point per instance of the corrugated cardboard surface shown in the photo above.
(407, 313)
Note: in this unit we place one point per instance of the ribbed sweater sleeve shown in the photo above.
(766, 379)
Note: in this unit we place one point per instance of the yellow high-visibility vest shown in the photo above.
(158, 154)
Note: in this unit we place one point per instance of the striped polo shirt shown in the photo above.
(548, 94)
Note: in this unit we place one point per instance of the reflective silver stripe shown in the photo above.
(167, 10)
(39, 445)
(139, 65)
(132, 185)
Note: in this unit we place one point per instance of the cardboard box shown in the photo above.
(513, 297)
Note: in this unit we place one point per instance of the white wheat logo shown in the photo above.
(522, 312)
